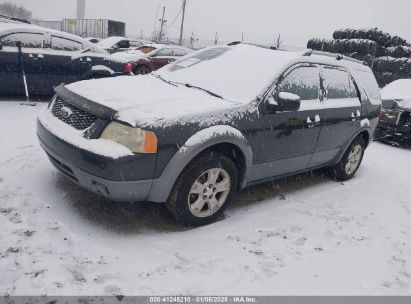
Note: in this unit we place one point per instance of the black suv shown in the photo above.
(50, 58)
(220, 119)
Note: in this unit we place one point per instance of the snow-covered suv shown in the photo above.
(218, 120)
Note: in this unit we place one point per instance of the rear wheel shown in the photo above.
(351, 160)
(203, 190)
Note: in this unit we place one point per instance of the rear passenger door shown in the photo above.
(342, 111)
(61, 66)
(9, 67)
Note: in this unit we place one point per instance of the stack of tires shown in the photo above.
(389, 56)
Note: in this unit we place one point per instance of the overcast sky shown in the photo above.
(259, 20)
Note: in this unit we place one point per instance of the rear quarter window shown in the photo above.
(367, 81)
(63, 44)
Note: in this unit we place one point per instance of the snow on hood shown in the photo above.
(239, 74)
(134, 55)
(399, 89)
(147, 100)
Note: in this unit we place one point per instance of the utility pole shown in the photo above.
(216, 38)
(160, 35)
(242, 37)
(182, 22)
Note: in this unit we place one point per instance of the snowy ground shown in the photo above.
(305, 235)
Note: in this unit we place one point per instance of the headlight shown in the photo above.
(137, 140)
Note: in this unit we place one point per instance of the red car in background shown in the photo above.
(151, 57)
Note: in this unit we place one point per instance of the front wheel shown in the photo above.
(351, 161)
(203, 190)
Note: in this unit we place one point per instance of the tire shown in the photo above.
(354, 155)
(142, 70)
(193, 187)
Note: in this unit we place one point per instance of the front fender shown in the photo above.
(196, 144)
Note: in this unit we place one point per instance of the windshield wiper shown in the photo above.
(205, 90)
(165, 80)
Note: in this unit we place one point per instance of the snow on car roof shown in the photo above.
(110, 41)
(8, 27)
(398, 89)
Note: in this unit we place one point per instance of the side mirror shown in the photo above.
(289, 101)
(115, 47)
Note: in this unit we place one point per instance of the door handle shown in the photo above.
(355, 116)
(85, 60)
(313, 122)
(36, 56)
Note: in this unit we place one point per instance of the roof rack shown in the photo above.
(310, 52)
(14, 19)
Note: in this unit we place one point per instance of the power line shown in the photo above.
(175, 19)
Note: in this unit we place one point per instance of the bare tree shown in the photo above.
(14, 10)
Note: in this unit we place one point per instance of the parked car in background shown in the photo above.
(50, 58)
(151, 57)
(211, 123)
(395, 118)
(119, 44)
(93, 39)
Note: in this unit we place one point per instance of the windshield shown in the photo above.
(237, 73)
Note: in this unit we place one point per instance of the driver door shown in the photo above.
(287, 139)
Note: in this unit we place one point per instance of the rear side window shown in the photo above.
(368, 82)
(337, 83)
(302, 81)
(28, 40)
(63, 44)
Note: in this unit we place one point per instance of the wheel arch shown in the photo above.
(364, 133)
(223, 139)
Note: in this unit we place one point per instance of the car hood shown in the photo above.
(129, 56)
(147, 100)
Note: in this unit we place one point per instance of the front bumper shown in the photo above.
(127, 179)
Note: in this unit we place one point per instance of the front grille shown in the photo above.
(72, 115)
